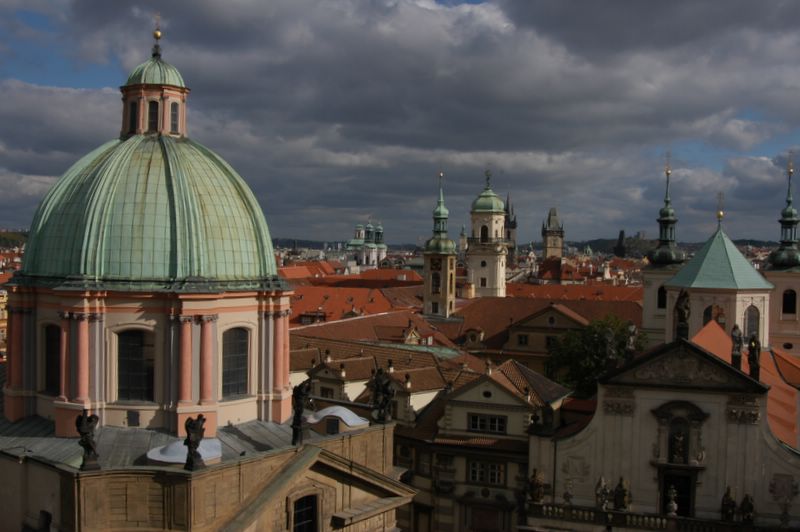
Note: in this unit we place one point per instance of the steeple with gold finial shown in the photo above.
(787, 255)
(666, 252)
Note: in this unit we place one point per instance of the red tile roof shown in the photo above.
(782, 398)
(374, 327)
(336, 303)
(494, 315)
(599, 292)
(294, 272)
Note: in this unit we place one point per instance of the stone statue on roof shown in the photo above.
(300, 397)
(85, 424)
(728, 507)
(382, 395)
(753, 356)
(195, 430)
(682, 313)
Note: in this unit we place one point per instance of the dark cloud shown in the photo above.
(340, 110)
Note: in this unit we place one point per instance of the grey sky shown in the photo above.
(340, 110)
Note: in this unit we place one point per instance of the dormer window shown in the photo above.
(152, 117)
(173, 118)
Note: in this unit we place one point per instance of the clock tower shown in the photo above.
(440, 264)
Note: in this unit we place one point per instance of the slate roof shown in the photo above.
(719, 265)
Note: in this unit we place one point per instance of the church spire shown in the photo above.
(787, 255)
(666, 252)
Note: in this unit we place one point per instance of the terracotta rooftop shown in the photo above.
(304, 359)
(356, 369)
(525, 380)
(376, 327)
(294, 272)
(782, 410)
(494, 315)
(402, 359)
(378, 278)
(422, 379)
(336, 303)
(599, 292)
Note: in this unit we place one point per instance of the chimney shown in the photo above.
(488, 367)
(328, 356)
(342, 372)
(390, 366)
(408, 381)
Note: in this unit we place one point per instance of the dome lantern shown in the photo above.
(154, 97)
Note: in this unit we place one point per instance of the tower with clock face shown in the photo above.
(440, 265)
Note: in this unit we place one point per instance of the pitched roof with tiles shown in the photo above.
(600, 292)
(421, 379)
(336, 303)
(719, 264)
(304, 359)
(336, 349)
(494, 315)
(525, 380)
(782, 398)
(378, 278)
(372, 328)
(294, 272)
(356, 369)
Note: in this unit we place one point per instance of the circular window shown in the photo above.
(483, 264)
(788, 345)
(487, 394)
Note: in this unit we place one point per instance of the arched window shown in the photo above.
(484, 233)
(751, 321)
(436, 283)
(452, 283)
(234, 362)
(52, 359)
(173, 117)
(135, 366)
(661, 301)
(707, 314)
(790, 302)
(133, 117)
(152, 117)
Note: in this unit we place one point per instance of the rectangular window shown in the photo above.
(52, 359)
(480, 472)
(434, 307)
(549, 341)
(483, 282)
(487, 423)
(305, 514)
(135, 371)
(173, 117)
(424, 464)
(522, 339)
(325, 392)
(152, 117)
(234, 362)
(332, 425)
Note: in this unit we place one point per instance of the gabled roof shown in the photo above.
(684, 365)
(336, 303)
(600, 292)
(719, 265)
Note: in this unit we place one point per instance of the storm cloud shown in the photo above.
(338, 111)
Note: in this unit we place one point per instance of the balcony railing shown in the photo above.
(622, 520)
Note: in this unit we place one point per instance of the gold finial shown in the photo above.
(667, 165)
(157, 31)
(790, 164)
(720, 212)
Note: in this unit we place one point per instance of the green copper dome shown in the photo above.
(150, 212)
(156, 71)
(488, 201)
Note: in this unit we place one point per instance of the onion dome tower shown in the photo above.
(665, 261)
(150, 283)
(487, 248)
(783, 270)
(787, 255)
(440, 264)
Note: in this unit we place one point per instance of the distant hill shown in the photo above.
(12, 239)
